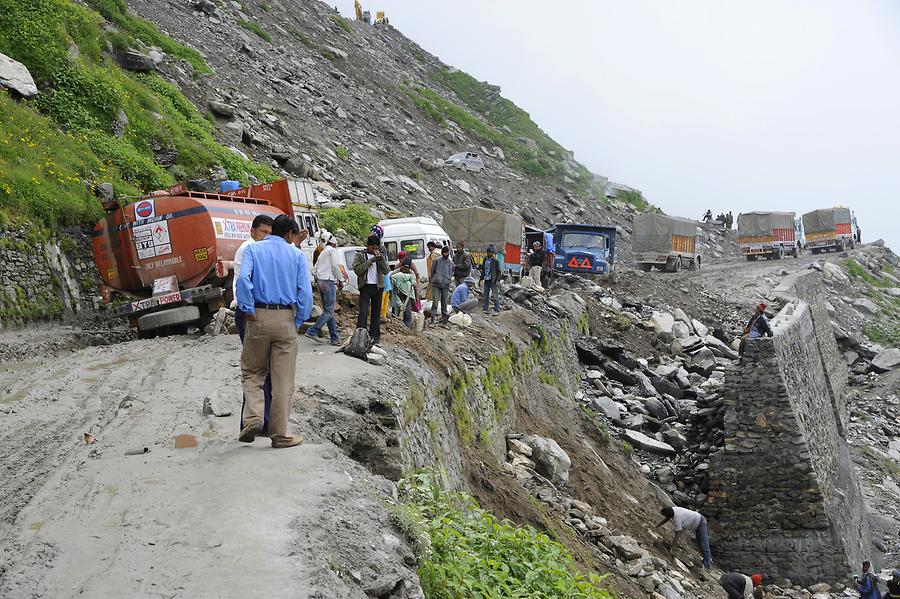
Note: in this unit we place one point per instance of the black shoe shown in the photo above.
(250, 431)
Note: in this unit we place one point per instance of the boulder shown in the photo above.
(609, 408)
(518, 447)
(865, 305)
(701, 329)
(551, 460)
(720, 349)
(618, 373)
(656, 408)
(626, 547)
(662, 322)
(681, 346)
(220, 109)
(833, 272)
(681, 330)
(674, 438)
(135, 61)
(15, 76)
(681, 316)
(336, 52)
(702, 363)
(644, 387)
(642, 441)
(887, 359)
(298, 166)
(665, 386)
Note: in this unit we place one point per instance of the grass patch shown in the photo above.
(858, 271)
(460, 409)
(51, 162)
(415, 403)
(341, 22)
(255, 28)
(354, 219)
(883, 334)
(300, 37)
(622, 322)
(465, 552)
(342, 152)
(116, 11)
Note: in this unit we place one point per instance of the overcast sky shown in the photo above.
(771, 104)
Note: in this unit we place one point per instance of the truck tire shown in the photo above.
(645, 267)
(168, 318)
(779, 253)
(751, 257)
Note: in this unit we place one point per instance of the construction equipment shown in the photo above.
(769, 234)
(830, 229)
(362, 15)
(170, 253)
(380, 18)
(666, 242)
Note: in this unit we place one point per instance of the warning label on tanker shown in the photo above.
(229, 228)
(152, 240)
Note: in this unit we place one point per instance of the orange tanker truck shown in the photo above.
(169, 254)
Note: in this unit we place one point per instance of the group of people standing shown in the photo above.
(727, 220)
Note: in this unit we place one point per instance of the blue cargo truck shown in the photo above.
(583, 249)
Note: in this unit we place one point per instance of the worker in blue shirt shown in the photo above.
(275, 295)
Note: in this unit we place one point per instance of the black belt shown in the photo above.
(273, 306)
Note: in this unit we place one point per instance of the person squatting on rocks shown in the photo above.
(328, 275)
(689, 520)
(404, 291)
(441, 275)
(370, 266)
(462, 263)
(490, 279)
(275, 295)
(757, 326)
(708, 216)
(867, 583)
(741, 586)
(893, 586)
(462, 300)
(536, 258)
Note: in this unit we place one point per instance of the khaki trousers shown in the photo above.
(270, 342)
(535, 273)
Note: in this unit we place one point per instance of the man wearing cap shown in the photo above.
(757, 327)
(275, 295)
(684, 519)
(370, 266)
(490, 277)
(741, 586)
(328, 274)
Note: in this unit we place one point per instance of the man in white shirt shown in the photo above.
(684, 519)
(259, 230)
(328, 275)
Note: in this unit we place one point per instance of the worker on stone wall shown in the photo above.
(684, 519)
(757, 326)
(741, 586)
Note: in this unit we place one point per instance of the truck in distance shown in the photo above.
(767, 234)
(830, 229)
(666, 242)
(479, 227)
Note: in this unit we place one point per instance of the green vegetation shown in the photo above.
(622, 322)
(465, 552)
(50, 164)
(300, 36)
(459, 408)
(627, 448)
(341, 22)
(415, 403)
(595, 425)
(342, 152)
(116, 11)
(858, 271)
(883, 334)
(16, 307)
(354, 219)
(255, 28)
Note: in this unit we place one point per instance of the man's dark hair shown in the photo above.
(262, 219)
(430, 244)
(373, 240)
(668, 512)
(445, 249)
(295, 227)
(866, 565)
(282, 225)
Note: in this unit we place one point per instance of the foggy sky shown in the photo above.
(773, 104)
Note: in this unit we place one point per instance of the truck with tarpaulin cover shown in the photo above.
(666, 242)
(166, 259)
(830, 229)
(479, 227)
(768, 234)
(583, 249)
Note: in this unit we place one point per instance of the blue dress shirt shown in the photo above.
(460, 294)
(274, 272)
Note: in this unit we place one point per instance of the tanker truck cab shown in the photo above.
(583, 249)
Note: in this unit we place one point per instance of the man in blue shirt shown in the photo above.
(275, 295)
(462, 300)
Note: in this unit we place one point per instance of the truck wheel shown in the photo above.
(677, 264)
(168, 318)
(645, 267)
(751, 257)
(779, 253)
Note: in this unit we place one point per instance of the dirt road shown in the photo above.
(88, 520)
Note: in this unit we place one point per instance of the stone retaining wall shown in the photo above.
(784, 498)
(45, 279)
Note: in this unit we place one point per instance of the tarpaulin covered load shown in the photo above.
(479, 227)
(653, 232)
(825, 220)
(762, 224)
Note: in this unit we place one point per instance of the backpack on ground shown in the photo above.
(360, 344)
